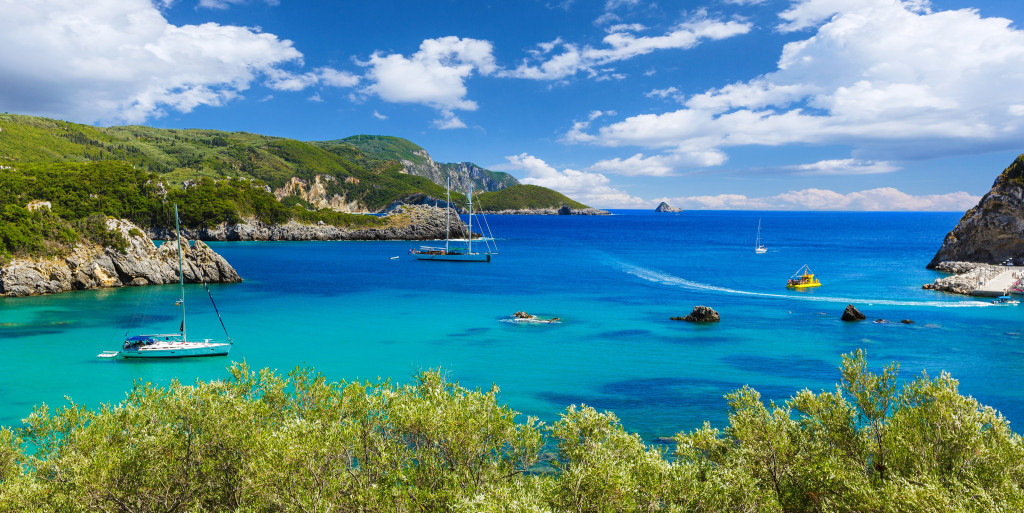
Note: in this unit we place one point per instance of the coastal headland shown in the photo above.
(91, 265)
(404, 222)
(993, 231)
(982, 249)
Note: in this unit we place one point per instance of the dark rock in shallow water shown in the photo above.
(907, 321)
(852, 314)
(699, 314)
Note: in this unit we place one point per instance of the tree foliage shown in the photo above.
(259, 441)
(523, 196)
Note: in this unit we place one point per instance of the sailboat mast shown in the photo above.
(470, 236)
(181, 275)
(447, 211)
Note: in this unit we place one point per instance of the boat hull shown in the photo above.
(177, 350)
(454, 257)
(803, 286)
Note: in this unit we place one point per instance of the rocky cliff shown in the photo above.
(91, 266)
(993, 231)
(316, 193)
(405, 222)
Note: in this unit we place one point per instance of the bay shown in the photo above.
(351, 311)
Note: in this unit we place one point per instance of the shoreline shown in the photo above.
(975, 279)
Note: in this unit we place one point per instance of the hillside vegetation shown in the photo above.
(523, 196)
(374, 150)
(265, 442)
(138, 172)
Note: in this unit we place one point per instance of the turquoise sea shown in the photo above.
(352, 312)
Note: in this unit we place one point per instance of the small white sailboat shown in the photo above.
(758, 245)
(172, 345)
(451, 253)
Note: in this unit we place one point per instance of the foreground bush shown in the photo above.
(263, 442)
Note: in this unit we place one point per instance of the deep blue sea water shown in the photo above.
(350, 311)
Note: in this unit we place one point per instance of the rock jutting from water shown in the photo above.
(665, 207)
(90, 266)
(993, 231)
(852, 314)
(700, 314)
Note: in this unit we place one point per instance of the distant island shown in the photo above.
(665, 207)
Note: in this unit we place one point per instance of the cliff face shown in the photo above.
(91, 266)
(464, 175)
(316, 193)
(992, 231)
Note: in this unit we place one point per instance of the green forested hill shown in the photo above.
(137, 172)
(377, 149)
(367, 169)
(524, 196)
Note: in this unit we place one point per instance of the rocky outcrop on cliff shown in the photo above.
(92, 266)
(665, 207)
(993, 231)
(316, 194)
(405, 222)
(467, 175)
(464, 175)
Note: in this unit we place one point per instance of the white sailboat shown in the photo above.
(172, 345)
(758, 246)
(450, 253)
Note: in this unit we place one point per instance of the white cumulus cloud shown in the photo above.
(892, 79)
(223, 4)
(434, 76)
(120, 60)
(885, 199)
(847, 167)
(558, 59)
(589, 188)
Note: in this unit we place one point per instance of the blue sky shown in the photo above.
(720, 104)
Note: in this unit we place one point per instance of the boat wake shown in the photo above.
(664, 278)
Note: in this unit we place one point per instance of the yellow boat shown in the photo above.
(803, 279)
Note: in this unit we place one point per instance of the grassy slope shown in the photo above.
(523, 196)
